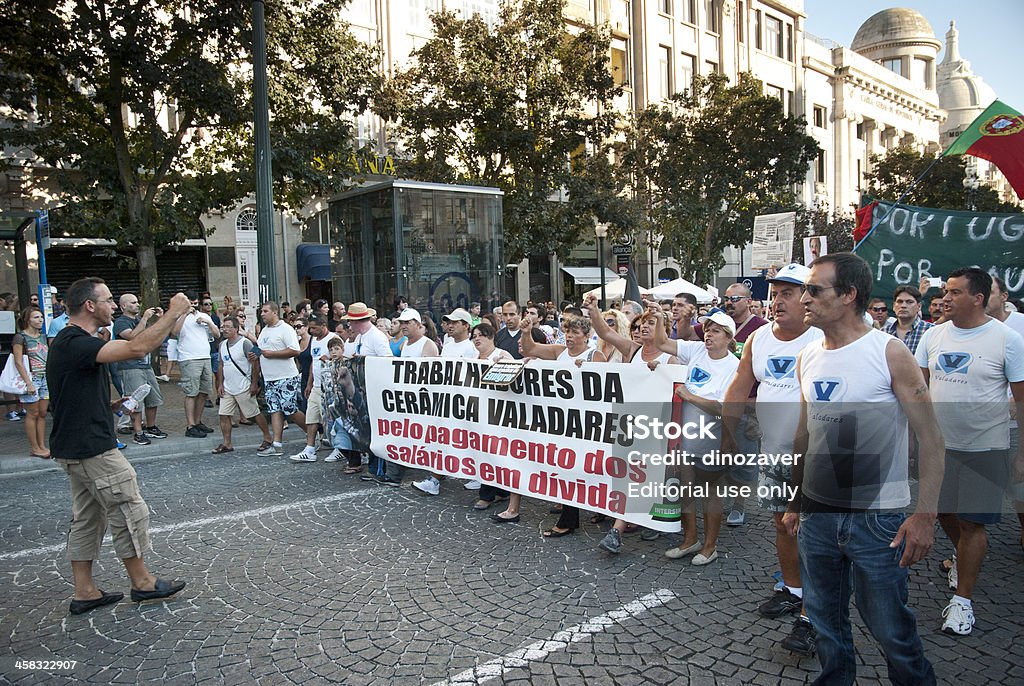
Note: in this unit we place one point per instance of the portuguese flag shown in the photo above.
(997, 135)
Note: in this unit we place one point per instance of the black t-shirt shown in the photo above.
(506, 341)
(83, 425)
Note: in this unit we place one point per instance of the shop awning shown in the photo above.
(590, 276)
(313, 261)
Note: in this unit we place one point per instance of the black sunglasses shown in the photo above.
(814, 291)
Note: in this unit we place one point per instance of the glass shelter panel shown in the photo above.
(439, 246)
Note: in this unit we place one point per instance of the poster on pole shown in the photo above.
(814, 247)
(773, 240)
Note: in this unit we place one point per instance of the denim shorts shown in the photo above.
(42, 391)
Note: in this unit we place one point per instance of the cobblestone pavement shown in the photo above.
(298, 574)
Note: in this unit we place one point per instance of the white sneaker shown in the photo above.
(430, 486)
(736, 518)
(472, 485)
(959, 619)
(303, 456)
(952, 576)
(334, 456)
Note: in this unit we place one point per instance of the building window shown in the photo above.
(789, 42)
(757, 29)
(665, 7)
(665, 71)
(687, 65)
(773, 35)
(920, 75)
(894, 65)
(820, 117)
(819, 168)
(712, 67)
(741, 21)
(860, 131)
(620, 62)
(860, 174)
(713, 16)
(246, 220)
(775, 92)
(688, 11)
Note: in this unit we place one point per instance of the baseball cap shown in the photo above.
(409, 315)
(722, 319)
(792, 273)
(459, 315)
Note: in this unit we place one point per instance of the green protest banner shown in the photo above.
(908, 243)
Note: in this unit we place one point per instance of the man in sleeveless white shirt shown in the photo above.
(969, 361)
(859, 387)
(769, 358)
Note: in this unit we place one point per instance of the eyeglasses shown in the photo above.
(207, 304)
(734, 298)
(814, 291)
(879, 309)
(610, 322)
(109, 301)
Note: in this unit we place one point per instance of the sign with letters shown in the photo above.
(908, 243)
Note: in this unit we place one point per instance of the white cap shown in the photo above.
(409, 315)
(792, 273)
(459, 315)
(722, 319)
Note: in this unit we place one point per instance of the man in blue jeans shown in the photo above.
(859, 388)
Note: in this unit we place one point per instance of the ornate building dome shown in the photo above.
(898, 25)
(901, 40)
(962, 93)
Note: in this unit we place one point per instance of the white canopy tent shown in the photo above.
(615, 290)
(667, 291)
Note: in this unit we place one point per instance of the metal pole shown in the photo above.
(264, 185)
(600, 256)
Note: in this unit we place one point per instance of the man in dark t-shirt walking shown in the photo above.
(103, 484)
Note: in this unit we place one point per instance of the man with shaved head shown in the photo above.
(136, 372)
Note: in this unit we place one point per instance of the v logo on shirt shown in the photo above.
(825, 390)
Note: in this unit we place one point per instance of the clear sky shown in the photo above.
(991, 32)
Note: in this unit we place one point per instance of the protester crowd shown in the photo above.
(946, 384)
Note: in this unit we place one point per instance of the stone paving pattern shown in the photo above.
(370, 585)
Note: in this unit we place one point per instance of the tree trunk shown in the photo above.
(145, 254)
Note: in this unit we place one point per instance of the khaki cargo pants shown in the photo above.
(104, 489)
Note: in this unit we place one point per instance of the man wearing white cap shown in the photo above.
(459, 345)
(769, 358)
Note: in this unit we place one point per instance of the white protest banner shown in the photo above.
(559, 432)
(773, 240)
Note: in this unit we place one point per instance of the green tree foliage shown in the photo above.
(143, 108)
(524, 106)
(820, 221)
(710, 160)
(942, 188)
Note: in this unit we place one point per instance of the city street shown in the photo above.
(298, 574)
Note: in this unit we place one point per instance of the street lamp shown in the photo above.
(601, 230)
(971, 185)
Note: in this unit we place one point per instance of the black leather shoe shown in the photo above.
(162, 589)
(79, 607)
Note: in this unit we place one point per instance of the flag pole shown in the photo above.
(896, 204)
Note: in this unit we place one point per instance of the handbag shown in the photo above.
(10, 379)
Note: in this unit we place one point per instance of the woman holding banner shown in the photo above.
(575, 351)
(639, 348)
(713, 366)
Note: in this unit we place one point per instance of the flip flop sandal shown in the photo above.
(41, 457)
(551, 533)
(221, 449)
